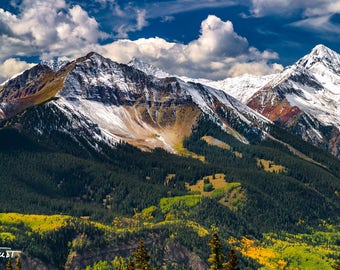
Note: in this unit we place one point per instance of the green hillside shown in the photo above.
(106, 203)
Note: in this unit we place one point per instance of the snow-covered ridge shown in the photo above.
(241, 88)
(148, 68)
(111, 95)
(54, 64)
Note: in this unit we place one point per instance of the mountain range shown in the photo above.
(304, 98)
(110, 102)
(128, 151)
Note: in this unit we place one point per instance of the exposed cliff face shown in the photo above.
(26, 84)
(173, 253)
(30, 263)
(176, 254)
(33, 87)
(13, 93)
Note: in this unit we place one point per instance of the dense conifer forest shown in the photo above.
(114, 199)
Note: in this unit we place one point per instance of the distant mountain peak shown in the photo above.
(54, 64)
(321, 49)
(148, 68)
(305, 98)
(93, 55)
(321, 56)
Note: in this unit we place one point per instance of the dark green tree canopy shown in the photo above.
(141, 257)
(232, 263)
(216, 257)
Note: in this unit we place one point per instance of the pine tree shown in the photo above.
(119, 263)
(130, 266)
(141, 257)
(216, 257)
(232, 263)
(9, 265)
(18, 264)
(336, 266)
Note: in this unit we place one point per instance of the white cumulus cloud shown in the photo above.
(256, 68)
(47, 28)
(11, 67)
(218, 52)
(53, 28)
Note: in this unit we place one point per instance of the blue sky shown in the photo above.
(209, 39)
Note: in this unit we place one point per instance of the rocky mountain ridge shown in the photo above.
(304, 98)
(117, 102)
(109, 102)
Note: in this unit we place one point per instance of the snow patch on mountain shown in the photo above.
(117, 123)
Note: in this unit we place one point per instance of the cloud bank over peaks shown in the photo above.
(47, 29)
(219, 52)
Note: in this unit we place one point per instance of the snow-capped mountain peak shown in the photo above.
(54, 64)
(324, 65)
(123, 102)
(306, 98)
(322, 52)
(148, 68)
(319, 59)
(111, 102)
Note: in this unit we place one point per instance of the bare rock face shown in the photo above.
(176, 254)
(26, 84)
(173, 253)
(30, 263)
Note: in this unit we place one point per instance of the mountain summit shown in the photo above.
(305, 98)
(321, 56)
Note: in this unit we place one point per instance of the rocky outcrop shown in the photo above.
(176, 254)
